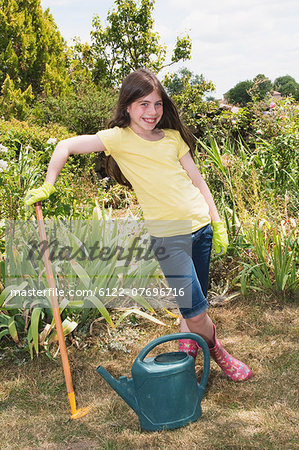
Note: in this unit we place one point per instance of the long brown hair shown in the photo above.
(137, 84)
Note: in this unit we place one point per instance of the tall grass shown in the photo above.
(260, 243)
(271, 263)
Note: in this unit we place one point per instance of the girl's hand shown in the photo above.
(41, 193)
(220, 238)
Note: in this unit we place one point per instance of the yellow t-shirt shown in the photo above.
(171, 204)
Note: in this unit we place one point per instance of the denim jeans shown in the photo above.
(185, 262)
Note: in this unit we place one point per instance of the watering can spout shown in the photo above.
(124, 387)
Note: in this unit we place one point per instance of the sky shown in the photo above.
(232, 40)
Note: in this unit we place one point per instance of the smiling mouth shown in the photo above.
(151, 121)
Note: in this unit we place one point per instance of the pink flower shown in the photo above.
(272, 104)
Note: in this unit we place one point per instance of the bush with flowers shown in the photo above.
(269, 129)
(276, 145)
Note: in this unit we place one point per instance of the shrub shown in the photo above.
(14, 131)
(271, 259)
(84, 111)
(25, 153)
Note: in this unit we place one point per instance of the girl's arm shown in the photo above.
(189, 165)
(67, 147)
(79, 144)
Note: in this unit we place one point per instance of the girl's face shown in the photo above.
(145, 112)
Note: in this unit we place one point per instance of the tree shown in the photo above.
(13, 102)
(188, 92)
(239, 94)
(129, 42)
(32, 51)
(287, 85)
(260, 88)
(175, 83)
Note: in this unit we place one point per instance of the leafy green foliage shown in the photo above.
(258, 88)
(32, 51)
(277, 146)
(129, 42)
(83, 111)
(115, 195)
(263, 253)
(25, 152)
(188, 91)
(28, 134)
(79, 63)
(270, 120)
(8, 326)
(21, 173)
(175, 83)
(239, 95)
(96, 282)
(226, 125)
(287, 86)
(245, 175)
(182, 50)
(261, 87)
(272, 263)
(14, 102)
(278, 161)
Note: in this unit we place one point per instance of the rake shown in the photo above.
(76, 413)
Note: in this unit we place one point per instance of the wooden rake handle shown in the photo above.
(76, 413)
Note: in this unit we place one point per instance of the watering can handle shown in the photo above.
(176, 336)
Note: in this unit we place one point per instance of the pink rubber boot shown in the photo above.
(232, 367)
(188, 346)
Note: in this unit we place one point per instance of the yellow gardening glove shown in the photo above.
(220, 238)
(41, 193)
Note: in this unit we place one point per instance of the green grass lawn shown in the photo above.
(261, 413)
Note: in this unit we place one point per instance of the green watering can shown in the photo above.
(163, 390)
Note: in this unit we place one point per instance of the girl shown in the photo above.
(150, 149)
